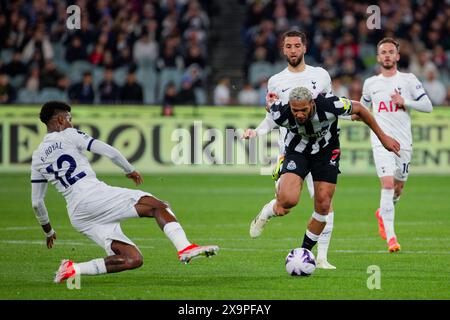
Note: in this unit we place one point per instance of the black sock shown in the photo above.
(308, 243)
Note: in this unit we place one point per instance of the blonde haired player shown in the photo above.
(96, 209)
(392, 95)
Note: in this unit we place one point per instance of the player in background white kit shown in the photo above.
(391, 95)
(317, 80)
(96, 209)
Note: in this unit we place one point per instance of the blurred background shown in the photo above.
(171, 83)
(207, 52)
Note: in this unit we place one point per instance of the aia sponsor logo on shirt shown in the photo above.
(382, 107)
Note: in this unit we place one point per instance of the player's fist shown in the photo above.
(249, 133)
(271, 97)
(398, 99)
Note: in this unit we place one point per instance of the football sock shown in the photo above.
(309, 240)
(93, 267)
(175, 233)
(325, 237)
(267, 211)
(387, 212)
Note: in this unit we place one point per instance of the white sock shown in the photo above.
(175, 233)
(387, 212)
(267, 211)
(92, 268)
(325, 237)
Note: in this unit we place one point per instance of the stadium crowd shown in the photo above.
(156, 51)
(340, 41)
(125, 52)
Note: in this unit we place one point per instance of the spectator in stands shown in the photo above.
(422, 65)
(76, 50)
(16, 66)
(355, 89)
(222, 94)
(83, 92)
(131, 91)
(169, 100)
(124, 58)
(339, 89)
(39, 42)
(434, 88)
(194, 56)
(248, 95)
(145, 48)
(186, 95)
(170, 57)
(33, 82)
(7, 92)
(52, 78)
(108, 89)
(96, 56)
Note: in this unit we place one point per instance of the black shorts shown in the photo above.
(324, 165)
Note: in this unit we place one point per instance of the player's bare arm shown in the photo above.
(388, 142)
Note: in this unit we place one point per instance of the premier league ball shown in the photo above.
(300, 262)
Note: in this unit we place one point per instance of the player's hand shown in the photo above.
(398, 99)
(249, 133)
(391, 144)
(355, 117)
(271, 97)
(136, 177)
(50, 240)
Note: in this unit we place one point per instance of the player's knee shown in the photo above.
(288, 202)
(323, 205)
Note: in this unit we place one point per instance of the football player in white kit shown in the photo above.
(391, 95)
(95, 208)
(317, 80)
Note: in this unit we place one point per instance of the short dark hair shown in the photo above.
(294, 33)
(389, 40)
(50, 108)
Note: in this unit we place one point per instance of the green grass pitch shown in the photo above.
(217, 209)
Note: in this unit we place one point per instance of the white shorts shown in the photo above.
(388, 164)
(99, 215)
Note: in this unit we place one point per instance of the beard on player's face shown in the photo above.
(388, 65)
(295, 61)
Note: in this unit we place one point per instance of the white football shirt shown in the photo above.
(394, 121)
(61, 161)
(316, 79)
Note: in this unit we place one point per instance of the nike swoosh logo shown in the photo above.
(285, 89)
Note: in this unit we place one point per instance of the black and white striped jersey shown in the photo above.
(316, 133)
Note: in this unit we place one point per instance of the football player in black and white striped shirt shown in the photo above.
(312, 145)
(299, 74)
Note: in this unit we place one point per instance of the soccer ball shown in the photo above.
(300, 262)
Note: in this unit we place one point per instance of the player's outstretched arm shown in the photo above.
(113, 154)
(263, 128)
(388, 142)
(38, 191)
